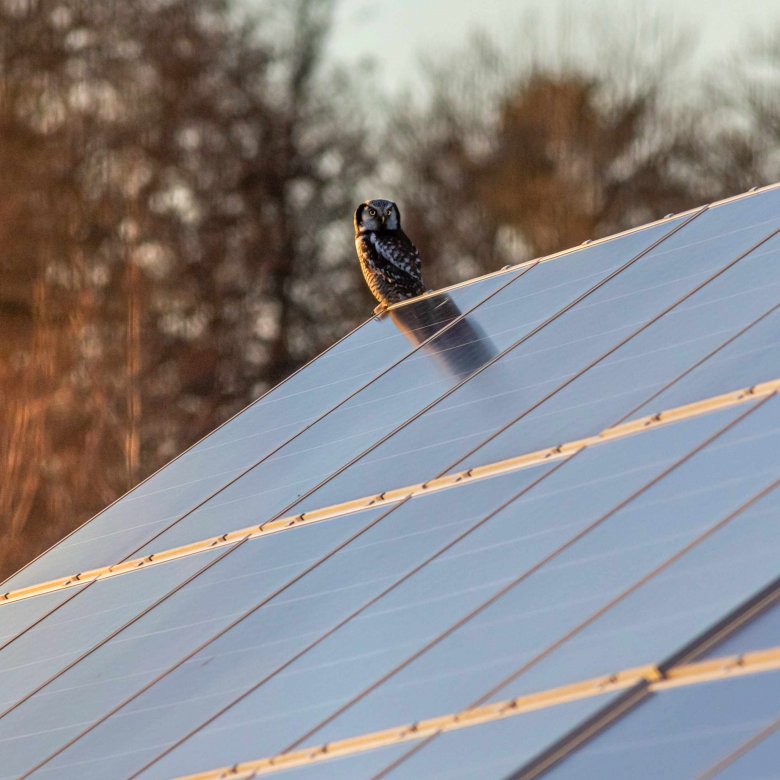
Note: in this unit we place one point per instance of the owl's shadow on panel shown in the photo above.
(461, 346)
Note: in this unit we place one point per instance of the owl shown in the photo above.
(390, 261)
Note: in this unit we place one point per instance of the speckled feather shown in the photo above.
(390, 262)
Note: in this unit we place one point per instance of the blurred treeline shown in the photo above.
(176, 192)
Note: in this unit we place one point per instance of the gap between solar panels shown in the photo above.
(648, 679)
(389, 497)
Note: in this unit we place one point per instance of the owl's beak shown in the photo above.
(384, 217)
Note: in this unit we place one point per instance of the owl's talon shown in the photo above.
(380, 309)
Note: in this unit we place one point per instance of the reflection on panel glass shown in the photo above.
(680, 732)
(302, 615)
(492, 751)
(360, 423)
(259, 430)
(612, 390)
(349, 661)
(521, 382)
(461, 349)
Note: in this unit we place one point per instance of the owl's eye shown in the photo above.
(372, 212)
(389, 212)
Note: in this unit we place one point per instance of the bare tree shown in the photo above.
(508, 161)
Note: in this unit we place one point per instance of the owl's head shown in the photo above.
(376, 215)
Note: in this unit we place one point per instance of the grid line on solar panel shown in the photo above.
(702, 361)
(545, 561)
(627, 750)
(671, 676)
(595, 242)
(602, 720)
(651, 678)
(396, 495)
(511, 275)
(569, 381)
(728, 626)
(746, 747)
(579, 735)
(116, 631)
(192, 446)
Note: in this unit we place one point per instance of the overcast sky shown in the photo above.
(395, 32)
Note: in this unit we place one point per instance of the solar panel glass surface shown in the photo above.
(679, 733)
(125, 526)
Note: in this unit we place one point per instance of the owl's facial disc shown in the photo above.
(377, 214)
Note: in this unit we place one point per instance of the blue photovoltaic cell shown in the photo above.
(492, 751)
(679, 603)
(377, 410)
(758, 763)
(752, 358)
(19, 616)
(120, 529)
(547, 607)
(146, 649)
(396, 626)
(555, 355)
(83, 622)
(611, 391)
(262, 644)
(760, 633)
(679, 732)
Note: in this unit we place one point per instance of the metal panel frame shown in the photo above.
(648, 679)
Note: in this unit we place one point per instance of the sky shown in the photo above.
(395, 33)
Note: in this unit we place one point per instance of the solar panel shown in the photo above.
(624, 385)
(496, 532)
(492, 749)
(557, 357)
(402, 393)
(680, 732)
(81, 623)
(762, 632)
(261, 429)
(750, 358)
(755, 757)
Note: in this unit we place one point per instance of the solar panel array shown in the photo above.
(527, 526)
